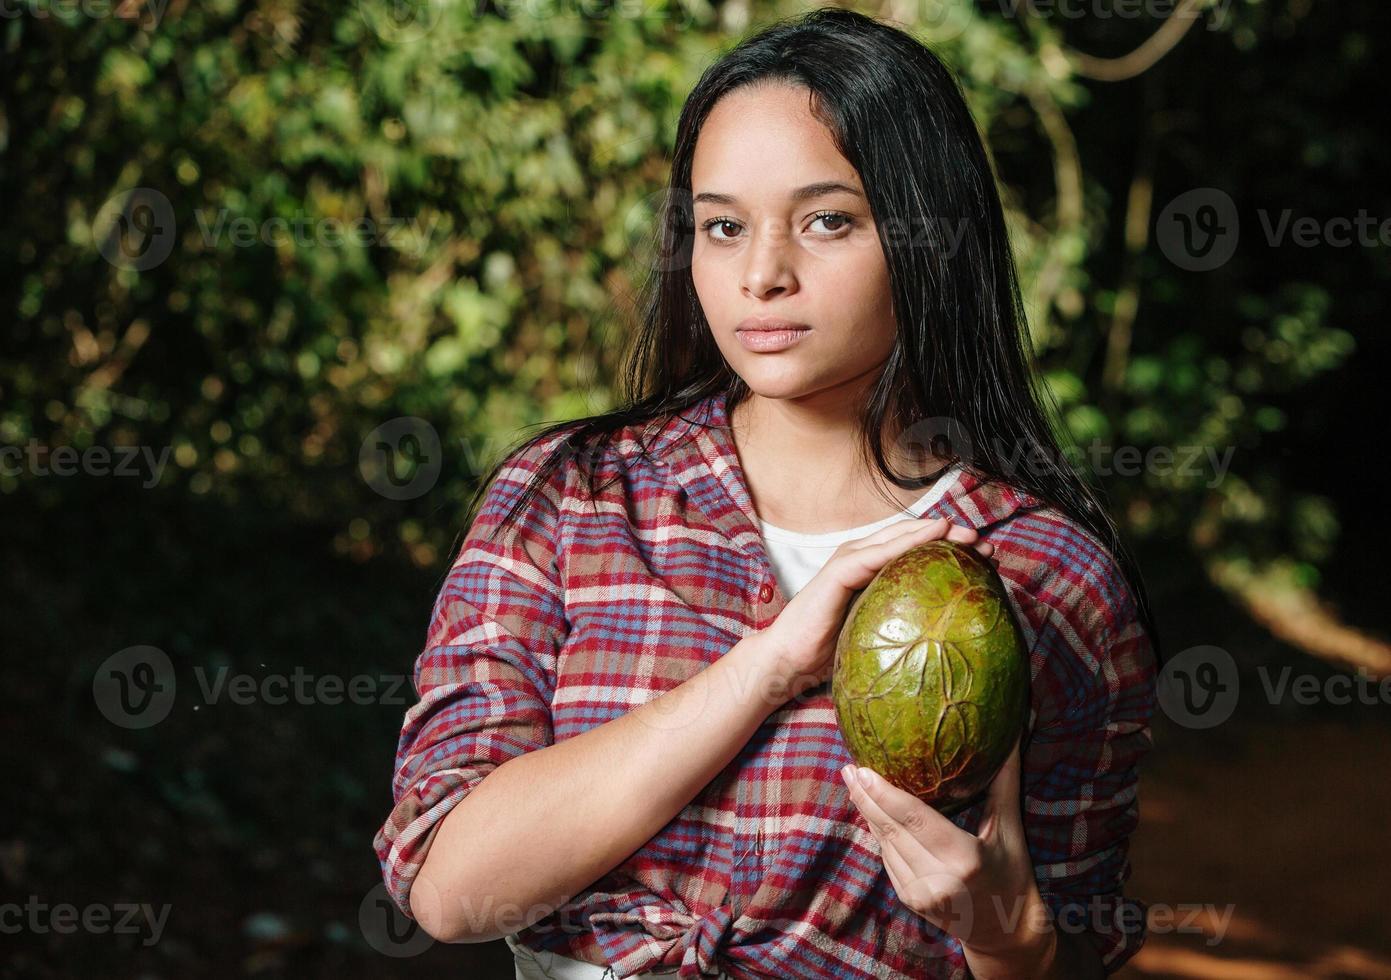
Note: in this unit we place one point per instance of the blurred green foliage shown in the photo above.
(502, 165)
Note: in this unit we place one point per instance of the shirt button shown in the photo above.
(765, 594)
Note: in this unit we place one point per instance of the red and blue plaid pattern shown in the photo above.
(584, 609)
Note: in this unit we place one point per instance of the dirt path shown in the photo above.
(1280, 827)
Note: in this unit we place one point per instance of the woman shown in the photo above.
(625, 759)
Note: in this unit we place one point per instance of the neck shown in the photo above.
(782, 440)
(790, 431)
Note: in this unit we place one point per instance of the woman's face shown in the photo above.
(771, 244)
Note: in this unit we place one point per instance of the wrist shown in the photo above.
(1031, 952)
(770, 674)
(757, 676)
(1034, 959)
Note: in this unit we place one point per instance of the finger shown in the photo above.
(861, 560)
(962, 533)
(895, 532)
(932, 528)
(941, 898)
(896, 877)
(921, 857)
(854, 568)
(969, 535)
(899, 871)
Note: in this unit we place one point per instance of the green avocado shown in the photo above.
(931, 679)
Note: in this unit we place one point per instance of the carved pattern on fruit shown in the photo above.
(930, 686)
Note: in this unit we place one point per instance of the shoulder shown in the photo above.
(1066, 582)
(1064, 564)
(558, 466)
(1039, 546)
(522, 474)
(1089, 650)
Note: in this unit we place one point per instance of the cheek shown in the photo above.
(867, 278)
(862, 287)
(706, 278)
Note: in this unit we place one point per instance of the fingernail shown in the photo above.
(866, 776)
(848, 774)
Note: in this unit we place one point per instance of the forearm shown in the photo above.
(546, 824)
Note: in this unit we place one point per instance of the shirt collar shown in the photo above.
(697, 448)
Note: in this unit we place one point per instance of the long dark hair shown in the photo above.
(962, 354)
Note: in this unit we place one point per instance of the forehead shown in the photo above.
(762, 143)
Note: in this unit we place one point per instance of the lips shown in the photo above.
(769, 335)
(765, 324)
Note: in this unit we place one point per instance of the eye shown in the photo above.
(840, 220)
(845, 219)
(713, 222)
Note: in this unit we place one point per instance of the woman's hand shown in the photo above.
(978, 888)
(803, 637)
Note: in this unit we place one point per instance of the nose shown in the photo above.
(768, 269)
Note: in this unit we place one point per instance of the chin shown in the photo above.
(782, 384)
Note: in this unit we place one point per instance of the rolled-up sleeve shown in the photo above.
(1080, 787)
(486, 676)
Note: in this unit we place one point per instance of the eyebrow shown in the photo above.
(820, 189)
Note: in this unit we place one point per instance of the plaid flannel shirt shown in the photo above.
(571, 618)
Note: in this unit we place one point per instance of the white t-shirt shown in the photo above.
(797, 557)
